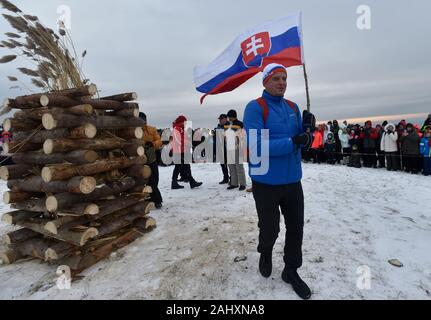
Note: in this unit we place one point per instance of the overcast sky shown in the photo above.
(152, 46)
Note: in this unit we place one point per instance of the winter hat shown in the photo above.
(180, 120)
(270, 70)
(232, 114)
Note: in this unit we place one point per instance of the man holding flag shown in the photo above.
(280, 130)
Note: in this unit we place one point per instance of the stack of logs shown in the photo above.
(79, 180)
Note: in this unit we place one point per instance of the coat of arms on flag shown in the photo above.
(255, 48)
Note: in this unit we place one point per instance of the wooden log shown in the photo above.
(52, 121)
(80, 209)
(63, 172)
(75, 237)
(145, 224)
(58, 251)
(122, 97)
(19, 236)
(34, 247)
(82, 132)
(130, 133)
(64, 200)
(13, 196)
(40, 158)
(35, 100)
(107, 207)
(65, 145)
(78, 263)
(20, 146)
(10, 256)
(14, 217)
(58, 101)
(79, 185)
(15, 171)
(133, 149)
(130, 112)
(37, 114)
(109, 104)
(34, 205)
(139, 171)
(20, 124)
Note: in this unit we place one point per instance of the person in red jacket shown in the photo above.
(369, 138)
(181, 146)
(317, 146)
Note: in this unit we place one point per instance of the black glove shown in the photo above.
(308, 121)
(304, 139)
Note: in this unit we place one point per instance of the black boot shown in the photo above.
(232, 187)
(242, 188)
(195, 184)
(265, 264)
(225, 181)
(299, 286)
(176, 186)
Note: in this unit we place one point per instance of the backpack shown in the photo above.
(308, 119)
(265, 109)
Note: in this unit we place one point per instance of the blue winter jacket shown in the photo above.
(283, 123)
(425, 147)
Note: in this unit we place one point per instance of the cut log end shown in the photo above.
(7, 218)
(90, 130)
(46, 174)
(6, 240)
(92, 89)
(51, 204)
(48, 146)
(139, 133)
(148, 190)
(6, 197)
(91, 156)
(90, 233)
(7, 125)
(140, 151)
(51, 255)
(51, 227)
(87, 185)
(4, 173)
(92, 210)
(48, 121)
(44, 100)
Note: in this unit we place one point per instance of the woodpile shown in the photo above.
(78, 187)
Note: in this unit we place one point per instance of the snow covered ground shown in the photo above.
(354, 217)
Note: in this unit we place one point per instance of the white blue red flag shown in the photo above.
(276, 41)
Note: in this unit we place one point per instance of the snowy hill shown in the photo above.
(354, 217)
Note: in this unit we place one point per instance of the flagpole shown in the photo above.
(306, 88)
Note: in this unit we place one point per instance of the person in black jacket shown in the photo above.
(220, 146)
(410, 149)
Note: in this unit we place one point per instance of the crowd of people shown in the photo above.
(401, 147)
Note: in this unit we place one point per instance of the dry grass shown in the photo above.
(50, 53)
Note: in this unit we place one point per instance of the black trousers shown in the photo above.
(392, 162)
(290, 199)
(411, 163)
(183, 168)
(156, 196)
(225, 171)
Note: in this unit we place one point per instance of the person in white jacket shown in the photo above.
(345, 145)
(390, 147)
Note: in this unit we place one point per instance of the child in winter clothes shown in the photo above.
(425, 149)
(330, 148)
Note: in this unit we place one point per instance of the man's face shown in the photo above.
(232, 119)
(277, 85)
(223, 121)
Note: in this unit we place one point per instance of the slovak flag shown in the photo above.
(276, 41)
